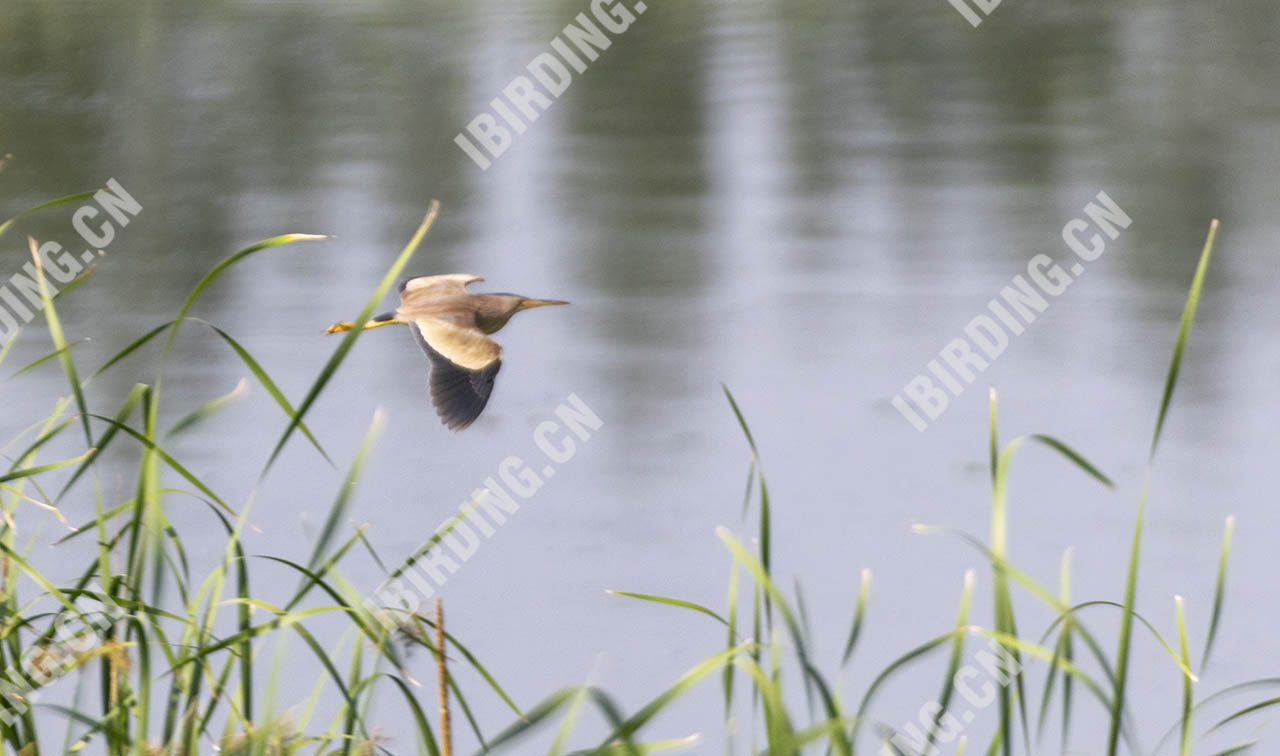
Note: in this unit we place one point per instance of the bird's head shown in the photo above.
(494, 310)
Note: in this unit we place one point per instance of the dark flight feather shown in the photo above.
(459, 394)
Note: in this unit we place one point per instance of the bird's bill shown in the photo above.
(526, 304)
(381, 320)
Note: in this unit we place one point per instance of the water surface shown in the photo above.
(802, 201)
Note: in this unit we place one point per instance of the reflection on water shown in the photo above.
(803, 201)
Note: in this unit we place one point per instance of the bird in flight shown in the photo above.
(452, 326)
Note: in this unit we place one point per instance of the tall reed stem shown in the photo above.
(446, 736)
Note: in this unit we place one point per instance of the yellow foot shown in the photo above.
(338, 327)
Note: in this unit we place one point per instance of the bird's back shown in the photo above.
(459, 309)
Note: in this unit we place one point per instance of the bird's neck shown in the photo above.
(492, 322)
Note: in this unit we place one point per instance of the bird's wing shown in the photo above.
(464, 364)
(435, 286)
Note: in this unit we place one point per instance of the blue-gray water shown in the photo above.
(805, 202)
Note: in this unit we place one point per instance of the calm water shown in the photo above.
(805, 202)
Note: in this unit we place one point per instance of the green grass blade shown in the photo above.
(1049, 599)
(953, 664)
(671, 602)
(67, 200)
(339, 509)
(217, 270)
(1248, 710)
(570, 721)
(349, 341)
(766, 514)
(859, 615)
(1075, 457)
(612, 714)
(543, 710)
(55, 354)
(370, 629)
(1003, 602)
(778, 727)
(742, 422)
(270, 386)
(841, 745)
(60, 342)
(53, 427)
(243, 624)
(1219, 591)
(643, 749)
(731, 639)
(27, 472)
(136, 395)
(484, 673)
(8, 345)
(425, 736)
(761, 576)
(1183, 668)
(1187, 696)
(76, 282)
(755, 463)
(993, 436)
(208, 409)
(133, 346)
(1061, 650)
(914, 655)
(1126, 623)
(1005, 620)
(168, 460)
(1040, 652)
(1131, 576)
(686, 681)
(1184, 331)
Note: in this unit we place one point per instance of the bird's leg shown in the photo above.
(386, 318)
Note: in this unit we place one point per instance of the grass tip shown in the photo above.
(689, 741)
(35, 253)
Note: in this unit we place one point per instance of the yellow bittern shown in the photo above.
(452, 326)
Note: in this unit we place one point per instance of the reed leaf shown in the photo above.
(349, 341)
(1131, 575)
